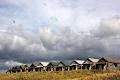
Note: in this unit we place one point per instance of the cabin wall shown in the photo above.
(87, 66)
(111, 66)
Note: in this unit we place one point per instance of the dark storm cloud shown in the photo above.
(46, 44)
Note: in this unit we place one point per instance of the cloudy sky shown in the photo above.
(58, 29)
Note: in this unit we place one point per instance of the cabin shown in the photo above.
(107, 64)
(60, 67)
(33, 67)
(16, 69)
(24, 67)
(76, 64)
(67, 65)
(52, 66)
(44, 66)
(90, 63)
(39, 67)
(19, 68)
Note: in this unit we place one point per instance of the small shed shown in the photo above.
(90, 63)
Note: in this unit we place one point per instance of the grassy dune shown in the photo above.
(66, 75)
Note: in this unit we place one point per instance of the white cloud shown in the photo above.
(109, 27)
(12, 63)
(56, 13)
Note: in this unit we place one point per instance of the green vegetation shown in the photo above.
(65, 75)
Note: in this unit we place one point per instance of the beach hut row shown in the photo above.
(67, 65)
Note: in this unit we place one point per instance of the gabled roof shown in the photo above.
(60, 64)
(41, 64)
(28, 65)
(23, 66)
(93, 60)
(53, 63)
(67, 62)
(79, 61)
(34, 65)
(109, 60)
(44, 63)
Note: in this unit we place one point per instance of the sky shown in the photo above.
(43, 30)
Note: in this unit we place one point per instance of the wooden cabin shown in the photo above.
(52, 66)
(44, 66)
(90, 63)
(67, 64)
(107, 64)
(60, 67)
(33, 67)
(76, 64)
(16, 69)
(24, 67)
(39, 67)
